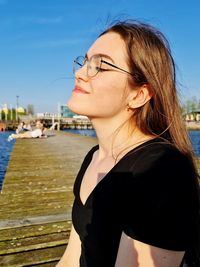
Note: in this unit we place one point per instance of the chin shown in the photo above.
(76, 108)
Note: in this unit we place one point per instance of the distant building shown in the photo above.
(21, 110)
(192, 116)
(65, 112)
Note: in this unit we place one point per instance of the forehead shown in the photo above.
(110, 44)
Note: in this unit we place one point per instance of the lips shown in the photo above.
(79, 90)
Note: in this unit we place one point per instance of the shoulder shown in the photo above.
(88, 157)
(160, 157)
(90, 153)
(157, 149)
(159, 170)
(162, 186)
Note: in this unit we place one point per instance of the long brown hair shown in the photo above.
(151, 62)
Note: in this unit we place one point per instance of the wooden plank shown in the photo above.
(33, 257)
(48, 264)
(41, 174)
(36, 201)
(33, 242)
(34, 230)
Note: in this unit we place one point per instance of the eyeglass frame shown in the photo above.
(101, 61)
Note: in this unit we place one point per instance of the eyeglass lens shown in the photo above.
(78, 63)
(93, 64)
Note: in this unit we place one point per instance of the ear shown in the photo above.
(142, 96)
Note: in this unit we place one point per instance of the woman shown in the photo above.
(136, 194)
(23, 127)
(38, 132)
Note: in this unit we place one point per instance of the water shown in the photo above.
(85, 132)
(6, 147)
(195, 139)
(5, 152)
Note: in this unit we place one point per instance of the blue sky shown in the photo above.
(40, 38)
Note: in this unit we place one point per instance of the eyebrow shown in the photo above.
(101, 55)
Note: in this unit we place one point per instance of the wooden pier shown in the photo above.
(36, 199)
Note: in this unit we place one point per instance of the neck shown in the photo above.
(116, 138)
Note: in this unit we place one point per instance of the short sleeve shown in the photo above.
(161, 200)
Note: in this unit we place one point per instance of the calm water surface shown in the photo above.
(6, 147)
(5, 152)
(195, 139)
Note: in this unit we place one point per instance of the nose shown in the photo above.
(81, 74)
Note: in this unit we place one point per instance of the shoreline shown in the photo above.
(190, 125)
(193, 126)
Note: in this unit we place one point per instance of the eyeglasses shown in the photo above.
(94, 65)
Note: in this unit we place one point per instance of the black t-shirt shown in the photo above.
(150, 195)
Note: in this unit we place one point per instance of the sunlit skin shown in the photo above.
(104, 99)
(98, 96)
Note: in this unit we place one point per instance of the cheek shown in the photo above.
(109, 97)
(105, 99)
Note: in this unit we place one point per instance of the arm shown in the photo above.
(22, 135)
(133, 253)
(72, 253)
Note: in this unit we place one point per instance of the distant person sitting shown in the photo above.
(22, 127)
(39, 132)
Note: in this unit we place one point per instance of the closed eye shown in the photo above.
(112, 65)
(99, 69)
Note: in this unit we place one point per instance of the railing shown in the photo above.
(49, 121)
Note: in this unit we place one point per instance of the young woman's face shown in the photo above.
(105, 94)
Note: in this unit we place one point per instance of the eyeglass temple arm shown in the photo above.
(110, 64)
(75, 61)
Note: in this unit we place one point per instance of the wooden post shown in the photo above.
(16, 114)
(11, 113)
(58, 126)
(53, 120)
